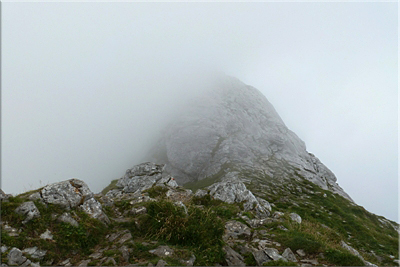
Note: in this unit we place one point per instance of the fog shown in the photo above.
(87, 87)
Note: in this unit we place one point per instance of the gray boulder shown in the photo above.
(15, 257)
(29, 210)
(232, 257)
(140, 177)
(68, 194)
(232, 190)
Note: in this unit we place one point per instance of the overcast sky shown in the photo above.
(87, 86)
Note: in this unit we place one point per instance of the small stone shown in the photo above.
(313, 262)
(289, 255)
(84, 263)
(138, 210)
(161, 263)
(295, 217)
(232, 257)
(162, 251)
(274, 254)
(5, 248)
(300, 252)
(190, 261)
(110, 260)
(47, 235)
(26, 263)
(95, 210)
(125, 253)
(65, 262)
(125, 238)
(35, 252)
(277, 214)
(10, 230)
(282, 228)
(261, 257)
(67, 218)
(96, 255)
(235, 229)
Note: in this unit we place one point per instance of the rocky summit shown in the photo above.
(233, 127)
(228, 184)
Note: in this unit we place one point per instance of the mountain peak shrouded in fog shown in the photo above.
(233, 127)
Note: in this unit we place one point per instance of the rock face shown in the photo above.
(232, 126)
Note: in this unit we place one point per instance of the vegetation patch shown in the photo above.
(249, 259)
(341, 258)
(279, 263)
(111, 186)
(299, 240)
(199, 229)
(156, 191)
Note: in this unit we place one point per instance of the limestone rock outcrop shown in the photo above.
(232, 126)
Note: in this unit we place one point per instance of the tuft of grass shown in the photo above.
(200, 229)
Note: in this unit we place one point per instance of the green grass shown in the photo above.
(249, 259)
(66, 238)
(299, 240)
(341, 258)
(200, 230)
